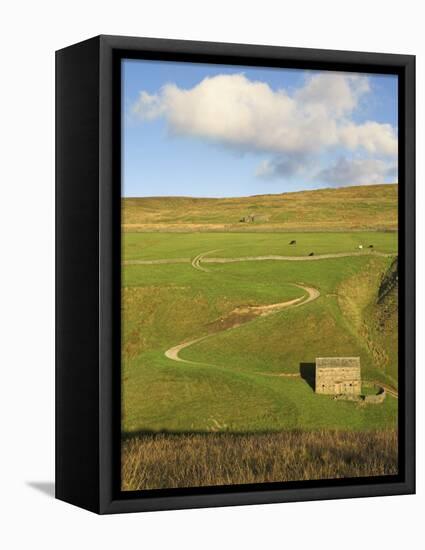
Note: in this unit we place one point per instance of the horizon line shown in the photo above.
(256, 194)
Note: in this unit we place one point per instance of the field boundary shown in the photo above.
(196, 261)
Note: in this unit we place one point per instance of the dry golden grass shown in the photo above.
(157, 461)
(351, 208)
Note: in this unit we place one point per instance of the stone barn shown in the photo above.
(251, 218)
(338, 375)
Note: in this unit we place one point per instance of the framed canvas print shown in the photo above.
(235, 274)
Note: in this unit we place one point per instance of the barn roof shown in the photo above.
(335, 362)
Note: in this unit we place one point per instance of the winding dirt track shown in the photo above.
(254, 312)
(243, 315)
(201, 257)
(196, 262)
(295, 258)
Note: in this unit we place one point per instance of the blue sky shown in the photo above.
(216, 131)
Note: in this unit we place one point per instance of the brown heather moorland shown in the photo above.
(367, 207)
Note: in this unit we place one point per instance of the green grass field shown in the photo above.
(153, 246)
(168, 304)
(249, 375)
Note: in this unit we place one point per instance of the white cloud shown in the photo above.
(373, 137)
(294, 127)
(335, 93)
(358, 172)
(233, 110)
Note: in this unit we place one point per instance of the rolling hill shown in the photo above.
(368, 207)
(222, 321)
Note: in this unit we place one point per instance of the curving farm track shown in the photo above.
(254, 311)
(196, 261)
(246, 314)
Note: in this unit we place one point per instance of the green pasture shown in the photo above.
(232, 384)
(174, 397)
(152, 246)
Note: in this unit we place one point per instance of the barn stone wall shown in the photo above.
(338, 380)
(341, 377)
(338, 375)
(376, 399)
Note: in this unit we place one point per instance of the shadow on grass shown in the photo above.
(160, 432)
(308, 373)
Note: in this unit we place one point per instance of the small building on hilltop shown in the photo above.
(251, 218)
(338, 375)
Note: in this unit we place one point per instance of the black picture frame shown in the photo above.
(88, 305)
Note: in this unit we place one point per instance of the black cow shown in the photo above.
(293, 242)
(371, 246)
(311, 254)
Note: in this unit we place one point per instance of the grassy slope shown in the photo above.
(164, 305)
(280, 342)
(168, 304)
(371, 314)
(381, 324)
(365, 207)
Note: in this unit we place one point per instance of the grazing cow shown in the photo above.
(360, 246)
(293, 242)
(371, 246)
(311, 254)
